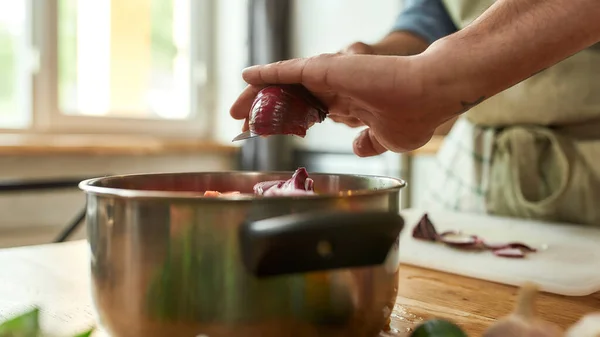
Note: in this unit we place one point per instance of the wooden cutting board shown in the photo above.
(567, 262)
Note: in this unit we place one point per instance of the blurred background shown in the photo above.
(90, 88)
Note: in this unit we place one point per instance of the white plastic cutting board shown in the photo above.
(567, 264)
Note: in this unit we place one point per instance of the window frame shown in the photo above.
(44, 110)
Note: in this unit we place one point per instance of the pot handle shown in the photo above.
(306, 242)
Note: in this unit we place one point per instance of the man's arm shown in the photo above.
(510, 42)
(427, 19)
(420, 23)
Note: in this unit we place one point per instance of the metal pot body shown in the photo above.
(166, 261)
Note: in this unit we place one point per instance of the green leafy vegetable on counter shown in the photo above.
(28, 325)
(25, 325)
(85, 334)
(438, 328)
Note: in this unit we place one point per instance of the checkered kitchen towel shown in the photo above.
(460, 179)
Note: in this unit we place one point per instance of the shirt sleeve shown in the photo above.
(426, 18)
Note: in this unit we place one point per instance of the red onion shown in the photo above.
(298, 184)
(515, 245)
(285, 110)
(456, 239)
(509, 252)
(425, 230)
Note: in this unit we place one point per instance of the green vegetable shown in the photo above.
(85, 334)
(438, 328)
(28, 325)
(25, 325)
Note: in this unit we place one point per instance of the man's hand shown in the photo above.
(385, 93)
(357, 48)
(396, 43)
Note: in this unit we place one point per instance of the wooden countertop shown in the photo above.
(55, 277)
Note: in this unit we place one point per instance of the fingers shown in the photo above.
(349, 121)
(311, 72)
(241, 107)
(366, 145)
(282, 72)
(358, 48)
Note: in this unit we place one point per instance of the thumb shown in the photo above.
(366, 145)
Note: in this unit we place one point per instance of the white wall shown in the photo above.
(327, 26)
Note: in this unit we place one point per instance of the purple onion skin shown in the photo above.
(514, 253)
(298, 184)
(518, 245)
(285, 110)
(425, 230)
(263, 186)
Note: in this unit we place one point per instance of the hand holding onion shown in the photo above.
(387, 94)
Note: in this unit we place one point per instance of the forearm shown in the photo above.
(420, 23)
(509, 43)
(400, 43)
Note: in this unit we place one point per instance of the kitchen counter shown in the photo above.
(55, 277)
(64, 144)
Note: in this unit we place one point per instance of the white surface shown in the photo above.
(569, 265)
(58, 283)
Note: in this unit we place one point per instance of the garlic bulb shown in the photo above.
(522, 322)
(587, 326)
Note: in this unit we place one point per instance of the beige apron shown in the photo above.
(546, 158)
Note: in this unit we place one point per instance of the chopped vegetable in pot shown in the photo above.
(219, 194)
(298, 184)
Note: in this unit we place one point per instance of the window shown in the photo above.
(111, 66)
(14, 86)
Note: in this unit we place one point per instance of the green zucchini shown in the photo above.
(28, 325)
(438, 328)
(24, 325)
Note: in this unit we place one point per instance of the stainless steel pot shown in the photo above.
(167, 261)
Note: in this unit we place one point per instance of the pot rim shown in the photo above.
(89, 188)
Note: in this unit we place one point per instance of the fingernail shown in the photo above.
(250, 68)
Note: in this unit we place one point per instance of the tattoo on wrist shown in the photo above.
(468, 105)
